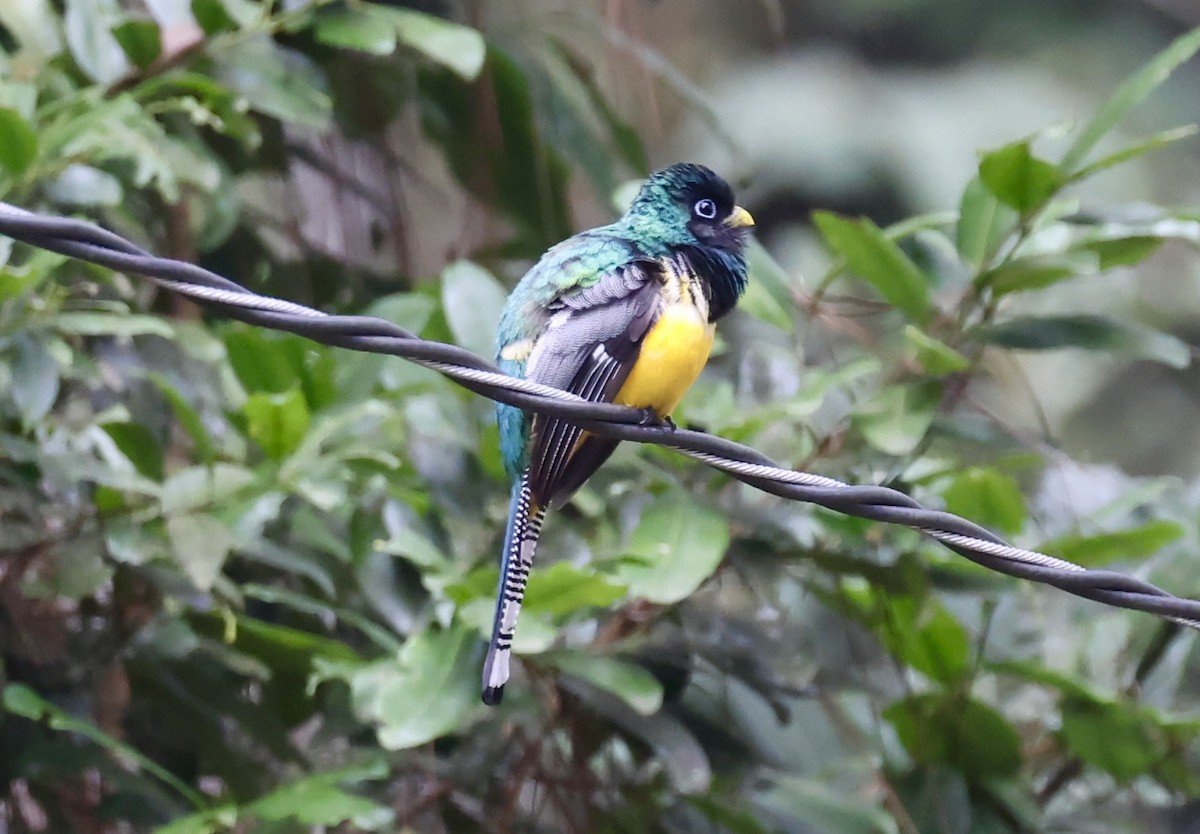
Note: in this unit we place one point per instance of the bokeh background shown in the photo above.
(245, 580)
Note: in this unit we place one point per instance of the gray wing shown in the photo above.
(590, 344)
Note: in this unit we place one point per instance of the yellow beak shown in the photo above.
(739, 218)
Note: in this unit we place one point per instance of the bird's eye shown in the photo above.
(705, 208)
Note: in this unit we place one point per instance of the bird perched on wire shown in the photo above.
(624, 313)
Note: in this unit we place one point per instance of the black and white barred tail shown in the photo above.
(520, 542)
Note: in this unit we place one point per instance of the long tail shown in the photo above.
(520, 542)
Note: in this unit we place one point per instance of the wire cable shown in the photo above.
(87, 242)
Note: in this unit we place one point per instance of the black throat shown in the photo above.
(723, 275)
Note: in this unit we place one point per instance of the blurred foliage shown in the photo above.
(245, 580)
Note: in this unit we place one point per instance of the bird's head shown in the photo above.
(688, 205)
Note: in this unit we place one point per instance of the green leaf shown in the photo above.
(1136, 149)
(948, 728)
(18, 142)
(768, 296)
(249, 12)
(120, 132)
(420, 695)
(141, 41)
(1018, 178)
(1088, 333)
(1033, 671)
(896, 420)
(628, 681)
(88, 25)
(213, 17)
(1112, 737)
(284, 649)
(987, 497)
(983, 222)
(1132, 221)
(37, 268)
(358, 29)
(85, 185)
(277, 82)
(879, 261)
(678, 544)
(201, 544)
(1102, 548)
(821, 809)
(472, 299)
(110, 324)
(456, 47)
(917, 223)
(1122, 251)
(940, 646)
(188, 418)
(35, 381)
(208, 102)
(199, 486)
(927, 637)
(262, 361)
(562, 589)
(19, 699)
(318, 801)
(1135, 89)
(139, 444)
(476, 584)
(414, 546)
(36, 27)
(214, 821)
(1038, 271)
(375, 29)
(936, 357)
(381, 636)
(275, 364)
(277, 422)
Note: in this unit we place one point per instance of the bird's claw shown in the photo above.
(650, 418)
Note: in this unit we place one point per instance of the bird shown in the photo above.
(625, 314)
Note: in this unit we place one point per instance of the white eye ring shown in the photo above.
(705, 208)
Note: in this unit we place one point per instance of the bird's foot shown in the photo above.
(650, 418)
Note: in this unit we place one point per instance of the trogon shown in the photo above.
(624, 313)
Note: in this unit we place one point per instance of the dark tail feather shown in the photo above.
(520, 542)
(591, 452)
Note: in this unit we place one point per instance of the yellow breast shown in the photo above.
(672, 356)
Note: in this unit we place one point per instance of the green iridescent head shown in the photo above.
(689, 205)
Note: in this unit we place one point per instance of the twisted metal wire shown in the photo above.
(87, 242)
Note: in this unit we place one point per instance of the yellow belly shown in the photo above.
(672, 356)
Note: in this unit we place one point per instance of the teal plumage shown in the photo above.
(622, 313)
(576, 262)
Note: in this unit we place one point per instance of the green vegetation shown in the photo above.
(245, 580)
